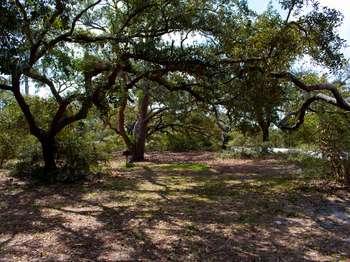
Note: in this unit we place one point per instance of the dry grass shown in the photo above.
(179, 207)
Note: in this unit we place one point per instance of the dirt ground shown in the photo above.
(177, 207)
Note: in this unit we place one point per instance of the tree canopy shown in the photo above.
(160, 65)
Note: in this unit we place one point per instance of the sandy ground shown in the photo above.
(177, 207)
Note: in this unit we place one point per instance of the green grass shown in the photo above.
(183, 166)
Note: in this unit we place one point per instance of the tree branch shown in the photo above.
(32, 73)
(136, 12)
(6, 87)
(218, 120)
(152, 114)
(65, 35)
(26, 24)
(300, 114)
(33, 127)
(171, 87)
(338, 100)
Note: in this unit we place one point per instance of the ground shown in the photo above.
(179, 207)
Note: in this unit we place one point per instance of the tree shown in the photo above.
(147, 57)
(143, 107)
(32, 33)
(102, 53)
(45, 33)
(268, 46)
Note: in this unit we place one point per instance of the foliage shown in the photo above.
(240, 139)
(81, 148)
(335, 144)
(186, 129)
(84, 147)
(13, 129)
(241, 153)
(185, 142)
(154, 85)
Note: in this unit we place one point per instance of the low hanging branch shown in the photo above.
(219, 121)
(336, 99)
(34, 74)
(6, 87)
(187, 87)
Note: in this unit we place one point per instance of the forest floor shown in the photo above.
(178, 207)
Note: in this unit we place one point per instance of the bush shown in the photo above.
(82, 148)
(7, 149)
(13, 129)
(186, 142)
(237, 139)
(246, 153)
(335, 146)
(182, 141)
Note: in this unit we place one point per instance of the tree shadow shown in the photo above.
(153, 214)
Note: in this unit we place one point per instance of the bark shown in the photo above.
(224, 140)
(26, 86)
(347, 174)
(33, 127)
(140, 128)
(120, 129)
(265, 135)
(224, 129)
(138, 151)
(336, 99)
(265, 131)
(49, 148)
(347, 179)
(264, 125)
(47, 142)
(136, 144)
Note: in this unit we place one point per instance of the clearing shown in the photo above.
(179, 207)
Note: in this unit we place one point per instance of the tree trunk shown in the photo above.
(347, 173)
(266, 136)
(138, 152)
(347, 179)
(49, 154)
(264, 126)
(224, 140)
(26, 85)
(140, 128)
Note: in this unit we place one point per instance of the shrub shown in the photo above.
(14, 135)
(7, 149)
(335, 145)
(246, 153)
(179, 141)
(81, 149)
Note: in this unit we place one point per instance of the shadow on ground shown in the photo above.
(220, 211)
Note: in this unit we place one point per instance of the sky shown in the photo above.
(341, 5)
